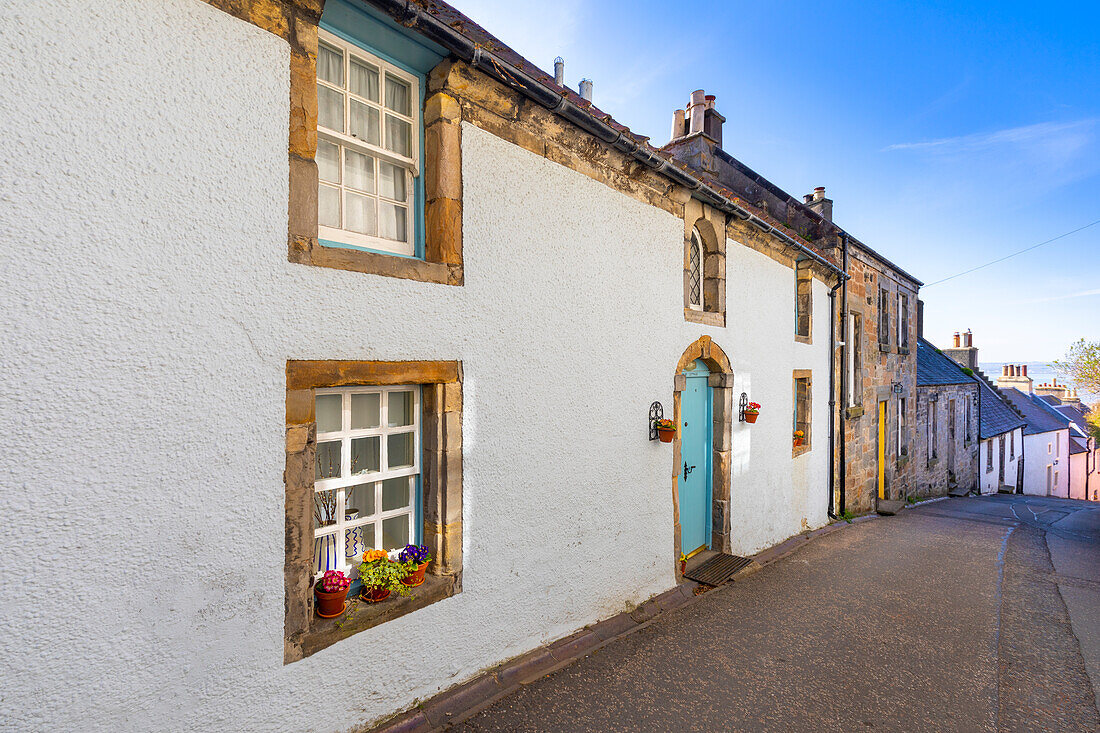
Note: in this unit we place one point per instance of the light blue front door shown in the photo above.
(695, 453)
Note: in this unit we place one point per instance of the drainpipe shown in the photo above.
(846, 340)
(832, 392)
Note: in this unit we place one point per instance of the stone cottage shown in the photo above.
(305, 278)
(946, 434)
(1000, 457)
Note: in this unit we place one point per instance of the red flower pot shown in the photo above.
(797, 442)
(666, 436)
(751, 416)
(329, 605)
(374, 594)
(416, 577)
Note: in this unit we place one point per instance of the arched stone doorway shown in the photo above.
(700, 355)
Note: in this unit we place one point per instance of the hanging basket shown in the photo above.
(751, 416)
(667, 435)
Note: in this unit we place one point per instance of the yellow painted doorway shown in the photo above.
(882, 449)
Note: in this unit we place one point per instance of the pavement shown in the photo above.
(975, 614)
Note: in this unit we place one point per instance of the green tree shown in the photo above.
(1093, 422)
(1082, 365)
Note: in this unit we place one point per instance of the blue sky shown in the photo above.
(947, 134)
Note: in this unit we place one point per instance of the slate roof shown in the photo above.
(996, 415)
(1072, 412)
(933, 368)
(1049, 399)
(478, 39)
(1077, 445)
(1040, 417)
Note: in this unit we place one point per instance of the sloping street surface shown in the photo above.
(976, 614)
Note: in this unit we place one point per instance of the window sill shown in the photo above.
(932, 462)
(854, 411)
(903, 349)
(797, 450)
(374, 263)
(707, 318)
(903, 462)
(884, 348)
(804, 339)
(360, 616)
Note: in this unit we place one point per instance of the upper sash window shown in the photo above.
(368, 130)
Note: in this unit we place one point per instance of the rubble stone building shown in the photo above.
(946, 431)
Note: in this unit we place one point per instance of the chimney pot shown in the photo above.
(559, 71)
(677, 124)
(696, 108)
(1024, 368)
(1004, 371)
(956, 337)
(586, 89)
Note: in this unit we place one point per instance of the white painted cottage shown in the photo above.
(1046, 470)
(279, 282)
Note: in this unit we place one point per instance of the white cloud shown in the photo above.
(1067, 296)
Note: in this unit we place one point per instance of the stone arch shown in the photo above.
(721, 383)
(710, 224)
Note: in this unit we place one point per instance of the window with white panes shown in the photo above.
(368, 460)
(368, 131)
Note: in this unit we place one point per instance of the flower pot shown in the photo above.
(751, 416)
(416, 577)
(374, 594)
(797, 442)
(329, 605)
(666, 436)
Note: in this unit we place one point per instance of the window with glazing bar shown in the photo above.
(368, 129)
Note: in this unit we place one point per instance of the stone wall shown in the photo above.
(883, 366)
(956, 461)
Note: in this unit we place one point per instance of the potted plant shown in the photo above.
(666, 430)
(798, 436)
(331, 591)
(380, 576)
(415, 556)
(752, 411)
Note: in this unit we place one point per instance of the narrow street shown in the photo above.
(975, 614)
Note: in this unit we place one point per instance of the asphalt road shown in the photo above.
(978, 614)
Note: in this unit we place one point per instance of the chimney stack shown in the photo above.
(817, 202)
(586, 89)
(965, 354)
(699, 117)
(559, 71)
(1015, 375)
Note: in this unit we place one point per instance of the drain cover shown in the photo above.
(718, 569)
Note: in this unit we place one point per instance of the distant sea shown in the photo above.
(1039, 371)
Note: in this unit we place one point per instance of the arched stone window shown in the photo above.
(695, 271)
(704, 268)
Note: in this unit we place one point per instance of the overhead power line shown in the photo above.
(1009, 256)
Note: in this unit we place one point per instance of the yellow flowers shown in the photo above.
(372, 555)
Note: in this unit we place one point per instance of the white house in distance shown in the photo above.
(1046, 435)
(1084, 453)
(343, 286)
(1001, 431)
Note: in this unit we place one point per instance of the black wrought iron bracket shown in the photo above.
(741, 405)
(656, 412)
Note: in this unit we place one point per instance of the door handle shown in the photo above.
(687, 469)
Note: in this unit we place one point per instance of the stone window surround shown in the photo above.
(441, 482)
(804, 302)
(807, 442)
(442, 171)
(721, 382)
(709, 223)
(854, 338)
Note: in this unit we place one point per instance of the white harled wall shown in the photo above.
(988, 480)
(149, 314)
(1040, 451)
